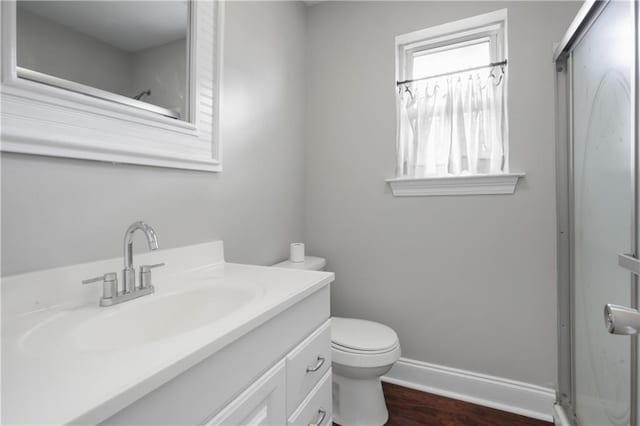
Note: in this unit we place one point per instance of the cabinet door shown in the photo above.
(306, 365)
(263, 403)
(316, 409)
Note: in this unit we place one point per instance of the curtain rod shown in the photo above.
(491, 65)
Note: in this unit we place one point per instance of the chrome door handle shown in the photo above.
(621, 319)
(629, 262)
(317, 366)
(321, 416)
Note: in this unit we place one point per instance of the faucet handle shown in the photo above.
(156, 265)
(109, 276)
(109, 284)
(145, 274)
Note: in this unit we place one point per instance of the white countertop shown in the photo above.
(49, 382)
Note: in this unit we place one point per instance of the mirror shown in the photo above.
(135, 53)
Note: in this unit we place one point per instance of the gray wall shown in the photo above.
(467, 282)
(59, 212)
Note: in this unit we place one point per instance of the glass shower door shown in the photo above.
(603, 213)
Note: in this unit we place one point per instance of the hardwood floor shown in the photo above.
(408, 407)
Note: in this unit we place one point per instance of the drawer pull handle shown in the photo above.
(317, 366)
(321, 415)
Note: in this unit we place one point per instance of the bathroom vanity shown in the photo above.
(218, 343)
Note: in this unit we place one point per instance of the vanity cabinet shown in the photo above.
(279, 373)
(217, 343)
(298, 386)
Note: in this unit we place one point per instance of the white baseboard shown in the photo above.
(560, 417)
(495, 392)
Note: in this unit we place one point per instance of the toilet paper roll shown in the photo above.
(296, 253)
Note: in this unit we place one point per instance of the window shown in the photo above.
(450, 58)
(452, 100)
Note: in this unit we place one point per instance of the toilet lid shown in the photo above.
(362, 335)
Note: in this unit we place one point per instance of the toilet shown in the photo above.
(362, 351)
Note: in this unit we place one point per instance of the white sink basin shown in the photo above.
(142, 321)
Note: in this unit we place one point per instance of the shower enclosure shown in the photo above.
(598, 199)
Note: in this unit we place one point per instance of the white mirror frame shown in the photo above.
(45, 120)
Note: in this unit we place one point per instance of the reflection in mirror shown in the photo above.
(131, 52)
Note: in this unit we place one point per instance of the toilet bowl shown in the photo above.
(362, 351)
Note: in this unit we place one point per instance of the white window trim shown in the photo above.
(488, 25)
(503, 183)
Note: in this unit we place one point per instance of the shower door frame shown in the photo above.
(566, 390)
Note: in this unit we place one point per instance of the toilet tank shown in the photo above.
(311, 263)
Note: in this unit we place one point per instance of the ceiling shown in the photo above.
(126, 25)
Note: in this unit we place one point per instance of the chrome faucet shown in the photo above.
(129, 273)
(111, 295)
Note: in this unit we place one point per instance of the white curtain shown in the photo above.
(452, 126)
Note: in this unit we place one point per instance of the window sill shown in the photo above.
(504, 183)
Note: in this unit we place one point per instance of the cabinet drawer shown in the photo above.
(263, 403)
(315, 410)
(306, 364)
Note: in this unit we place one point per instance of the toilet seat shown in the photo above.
(362, 335)
(359, 352)
(361, 343)
(364, 359)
